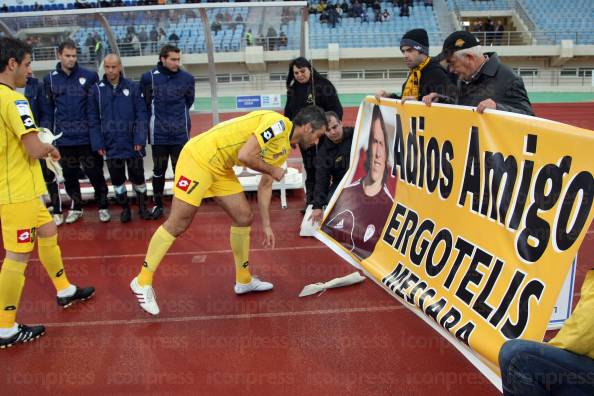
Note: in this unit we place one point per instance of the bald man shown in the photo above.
(118, 122)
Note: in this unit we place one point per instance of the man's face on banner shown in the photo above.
(377, 152)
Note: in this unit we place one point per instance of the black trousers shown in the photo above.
(309, 164)
(51, 182)
(73, 157)
(117, 170)
(161, 154)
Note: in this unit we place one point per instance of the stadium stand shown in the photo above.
(189, 29)
(355, 33)
(563, 20)
(478, 5)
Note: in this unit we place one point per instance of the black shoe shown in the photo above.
(24, 334)
(142, 211)
(145, 214)
(81, 294)
(126, 215)
(157, 212)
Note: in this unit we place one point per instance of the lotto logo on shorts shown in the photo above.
(24, 236)
(183, 183)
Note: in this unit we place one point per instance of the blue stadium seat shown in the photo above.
(562, 19)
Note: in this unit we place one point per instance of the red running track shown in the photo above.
(356, 340)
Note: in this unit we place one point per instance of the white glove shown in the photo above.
(46, 136)
(347, 280)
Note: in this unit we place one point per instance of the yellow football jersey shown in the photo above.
(20, 175)
(219, 146)
(577, 333)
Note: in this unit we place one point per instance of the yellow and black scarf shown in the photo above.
(411, 87)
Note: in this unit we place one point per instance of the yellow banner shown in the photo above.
(472, 220)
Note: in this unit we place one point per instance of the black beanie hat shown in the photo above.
(417, 39)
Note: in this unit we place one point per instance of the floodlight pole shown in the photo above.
(212, 76)
(113, 43)
(304, 17)
(6, 30)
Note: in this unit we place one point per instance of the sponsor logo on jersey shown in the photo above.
(267, 135)
(24, 236)
(276, 129)
(22, 107)
(183, 183)
(277, 155)
(28, 122)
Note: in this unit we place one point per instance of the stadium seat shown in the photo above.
(562, 19)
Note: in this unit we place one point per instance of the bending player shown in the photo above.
(260, 140)
(23, 215)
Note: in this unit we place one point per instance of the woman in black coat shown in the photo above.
(305, 86)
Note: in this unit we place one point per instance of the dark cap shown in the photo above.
(457, 41)
(417, 39)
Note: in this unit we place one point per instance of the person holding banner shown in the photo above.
(563, 367)
(425, 75)
(332, 163)
(260, 140)
(358, 216)
(305, 87)
(483, 81)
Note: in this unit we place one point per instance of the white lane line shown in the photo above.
(195, 253)
(202, 318)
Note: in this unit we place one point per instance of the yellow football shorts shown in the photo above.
(195, 180)
(20, 222)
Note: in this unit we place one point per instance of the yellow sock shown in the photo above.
(51, 259)
(157, 249)
(240, 246)
(12, 280)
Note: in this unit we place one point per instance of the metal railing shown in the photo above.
(506, 38)
(555, 78)
(532, 77)
(45, 53)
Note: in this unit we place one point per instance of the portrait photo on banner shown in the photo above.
(359, 213)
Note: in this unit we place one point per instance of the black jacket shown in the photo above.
(434, 78)
(332, 162)
(494, 81)
(300, 95)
